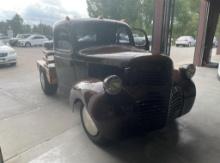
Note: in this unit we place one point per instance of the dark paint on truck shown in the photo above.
(87, 51)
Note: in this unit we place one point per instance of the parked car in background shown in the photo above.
(49, 37)
(215, 42)
(14, 41)
(185, 41)
(150, 39)
(4, 39)
(33, 40)
(7, 54)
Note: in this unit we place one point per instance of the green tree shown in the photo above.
(138, 13)
(186, 18)
(42, 29)
(3, 27)
(148, 14)
(18, 27)
(218, 30)
(26, 28)
(16, 24)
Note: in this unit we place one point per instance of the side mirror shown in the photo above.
(140, 39)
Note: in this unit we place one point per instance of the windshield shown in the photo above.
(101, 34)
(182, 38)
(22, 36)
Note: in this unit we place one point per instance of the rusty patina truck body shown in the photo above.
(112, 77)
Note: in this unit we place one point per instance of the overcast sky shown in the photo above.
(45, 11)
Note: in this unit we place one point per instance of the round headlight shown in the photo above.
(188, 70)
(113, 85)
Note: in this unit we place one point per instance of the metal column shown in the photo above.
(209, 13)
(162, 28)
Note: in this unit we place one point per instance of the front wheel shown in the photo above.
(91, 129)
(49, 89)
(189, 45)
(27, 44)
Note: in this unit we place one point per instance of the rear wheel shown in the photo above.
(91, 129)
(49, 89)
(27, 44)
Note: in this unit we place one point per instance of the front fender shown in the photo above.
(91, 93)
(85, 90)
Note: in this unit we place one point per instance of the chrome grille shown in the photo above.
(3, 54)
(152, 112)
(176, 103)
(155, 73)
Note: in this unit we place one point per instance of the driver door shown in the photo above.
(64, 60)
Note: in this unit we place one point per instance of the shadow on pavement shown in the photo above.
(156, 147)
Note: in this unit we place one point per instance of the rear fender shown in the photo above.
(49, 70)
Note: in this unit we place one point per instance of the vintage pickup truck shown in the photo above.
(114, 80)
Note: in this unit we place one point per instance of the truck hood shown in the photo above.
(114, 55)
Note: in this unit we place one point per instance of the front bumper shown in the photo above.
(8, 60)
(182, 43)
(125, 115)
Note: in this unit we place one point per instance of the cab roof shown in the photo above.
(88, 20)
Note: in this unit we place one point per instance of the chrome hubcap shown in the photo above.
(89, 123)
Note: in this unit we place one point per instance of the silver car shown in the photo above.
(185, 41)
(33, 40)
(7, 54)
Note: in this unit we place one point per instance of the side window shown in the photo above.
(122, 36)
(64, 45)
(86, 37)
(63, 42)
(37, 37)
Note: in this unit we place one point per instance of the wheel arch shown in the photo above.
(84, 91)
(28, 42)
